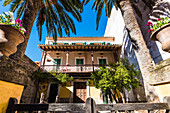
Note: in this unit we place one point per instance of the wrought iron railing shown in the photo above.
(70, 68)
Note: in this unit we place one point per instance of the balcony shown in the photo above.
(70, 68)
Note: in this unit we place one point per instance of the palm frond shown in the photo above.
(7, 2)
(99, 12)
(15, 5)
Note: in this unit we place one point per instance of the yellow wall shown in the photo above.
(65, 92)
(162, 91)
(95, 94)
(8, 90)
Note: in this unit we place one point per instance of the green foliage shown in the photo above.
(116, 77)
(63, 78)
(159, 23)
(60, 78)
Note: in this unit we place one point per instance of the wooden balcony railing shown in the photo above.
(70, 68)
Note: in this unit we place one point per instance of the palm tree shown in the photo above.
(142, 53)
(55, 14)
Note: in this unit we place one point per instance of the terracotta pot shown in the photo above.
(10, 37)
(163, 36)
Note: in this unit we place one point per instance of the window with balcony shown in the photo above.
(57, 62)
(80, 61)
(102, 62)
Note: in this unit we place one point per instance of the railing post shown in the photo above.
(92, 53)
(11, 103)
(90, 105)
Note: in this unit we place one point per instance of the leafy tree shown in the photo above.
(55, 14)
(115, 78)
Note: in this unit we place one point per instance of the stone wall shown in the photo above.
(160, 74)
(19, 73)
(160, 78)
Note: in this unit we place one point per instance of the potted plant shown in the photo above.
(11, 33)
(161, 32)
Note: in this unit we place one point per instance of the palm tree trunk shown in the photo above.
(142, 53)
(27, 22)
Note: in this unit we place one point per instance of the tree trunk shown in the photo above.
(27, 22)
(141, 51)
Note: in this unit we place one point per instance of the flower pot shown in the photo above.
(163, 36)
(10, 37)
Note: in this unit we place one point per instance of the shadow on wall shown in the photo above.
(128, 47)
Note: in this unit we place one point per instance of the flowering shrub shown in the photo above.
(160, 22)
(8, 19)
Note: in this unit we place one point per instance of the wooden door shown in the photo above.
(80, 92)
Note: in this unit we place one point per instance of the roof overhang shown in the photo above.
(110, 39)
(80, 47)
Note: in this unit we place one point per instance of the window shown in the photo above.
(79, 61)
(102, 62)
(57, 61)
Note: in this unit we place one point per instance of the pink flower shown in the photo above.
(159, 19)
(149, 23)
(150, 30)
(25, 31)
(18, 21)
(20, 25)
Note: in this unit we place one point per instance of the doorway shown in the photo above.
(53, 93)
(80, 92)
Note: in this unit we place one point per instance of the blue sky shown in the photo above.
(86, 28)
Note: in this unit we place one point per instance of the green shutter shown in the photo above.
(102, 61)
(57, 61)
(108, 43)
(103, 43)
(65, 43)
(79, 61)
(54, 43)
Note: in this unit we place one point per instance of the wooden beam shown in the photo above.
(30, 107)
(42, 47)
(76, 107)
(132, 106)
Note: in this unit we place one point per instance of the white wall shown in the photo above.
(115, 26)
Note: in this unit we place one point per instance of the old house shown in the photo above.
(78, 57)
